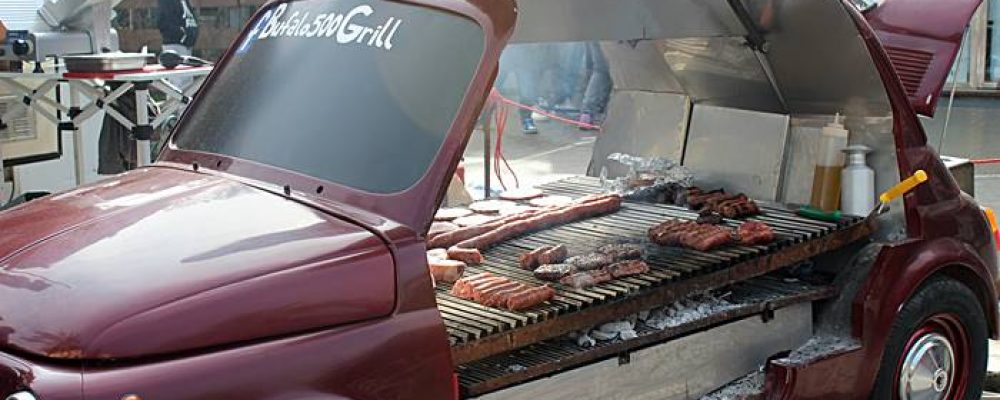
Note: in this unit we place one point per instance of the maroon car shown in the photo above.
(277, 248)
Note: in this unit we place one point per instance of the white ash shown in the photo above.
(624, 330)
(516, 368)
(819, 347)
(747, 386)
(583, 339)
(690, 309)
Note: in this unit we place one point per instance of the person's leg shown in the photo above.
(598, 86)
(516, 59)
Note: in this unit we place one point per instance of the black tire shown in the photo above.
(952, 307)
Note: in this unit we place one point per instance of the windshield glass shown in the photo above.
(360, 93)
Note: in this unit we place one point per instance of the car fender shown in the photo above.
(900, 270)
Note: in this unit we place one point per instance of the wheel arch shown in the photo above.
(967, 276)
(899, 272)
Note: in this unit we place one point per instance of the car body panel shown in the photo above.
(391, 358)
(162, 261)
(922, 38)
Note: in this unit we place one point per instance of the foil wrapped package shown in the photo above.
(650, 179)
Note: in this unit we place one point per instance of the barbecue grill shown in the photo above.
(477, 332)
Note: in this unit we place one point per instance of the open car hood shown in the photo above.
(922, 39)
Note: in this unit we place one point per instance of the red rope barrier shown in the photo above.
(987, 161)
(552, 116)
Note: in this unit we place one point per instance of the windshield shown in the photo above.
(360, 93)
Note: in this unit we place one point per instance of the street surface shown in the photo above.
(560, 151)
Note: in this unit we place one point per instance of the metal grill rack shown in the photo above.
(760, 296)
(477, 332)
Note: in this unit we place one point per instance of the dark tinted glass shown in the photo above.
(360, 93)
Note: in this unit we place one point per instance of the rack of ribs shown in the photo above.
(727, 205)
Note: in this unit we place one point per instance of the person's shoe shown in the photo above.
(586, 118)
(528, 126)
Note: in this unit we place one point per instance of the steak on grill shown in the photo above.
(586, 279)
(554, 272)
(753, 233)
(628, 268)
(690, 234)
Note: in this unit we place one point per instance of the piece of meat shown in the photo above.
(439, 227)
(446, 270)
(628, 268)
(468, 256)
(463, 287)
(588, 262)
(705, 239)
(530, 298)
(669, 232)
(587, 207)
(697, 198)
(586, 279)
(499, 297)
(438, 254)
(690, 234)
(480, 295)
(554, 255)
(529, 260)
(709, 217)
(554, 272)
(621, 252)
(451, 238)
(754, 233)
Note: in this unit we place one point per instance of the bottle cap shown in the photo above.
(857, 149)
(835, 128)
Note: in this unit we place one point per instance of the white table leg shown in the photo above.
(143, 130)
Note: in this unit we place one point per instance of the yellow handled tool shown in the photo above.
(900, 189)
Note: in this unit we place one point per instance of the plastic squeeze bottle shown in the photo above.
(857, 194)
(829, 163)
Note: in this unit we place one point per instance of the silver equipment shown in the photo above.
(39, 29)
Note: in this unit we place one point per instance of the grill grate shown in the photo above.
(551, 356)
(476, 331)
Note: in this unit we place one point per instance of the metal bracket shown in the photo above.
(758, 44)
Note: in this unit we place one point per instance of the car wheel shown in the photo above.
(937, 346)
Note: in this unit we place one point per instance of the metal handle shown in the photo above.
(903, 187)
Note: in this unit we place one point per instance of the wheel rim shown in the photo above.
(935, 363)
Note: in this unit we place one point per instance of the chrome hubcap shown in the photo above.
(928, 370)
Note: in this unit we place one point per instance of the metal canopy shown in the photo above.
(601, 20)
(811, 61)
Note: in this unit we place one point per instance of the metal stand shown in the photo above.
(487, 116)
(91, 86)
